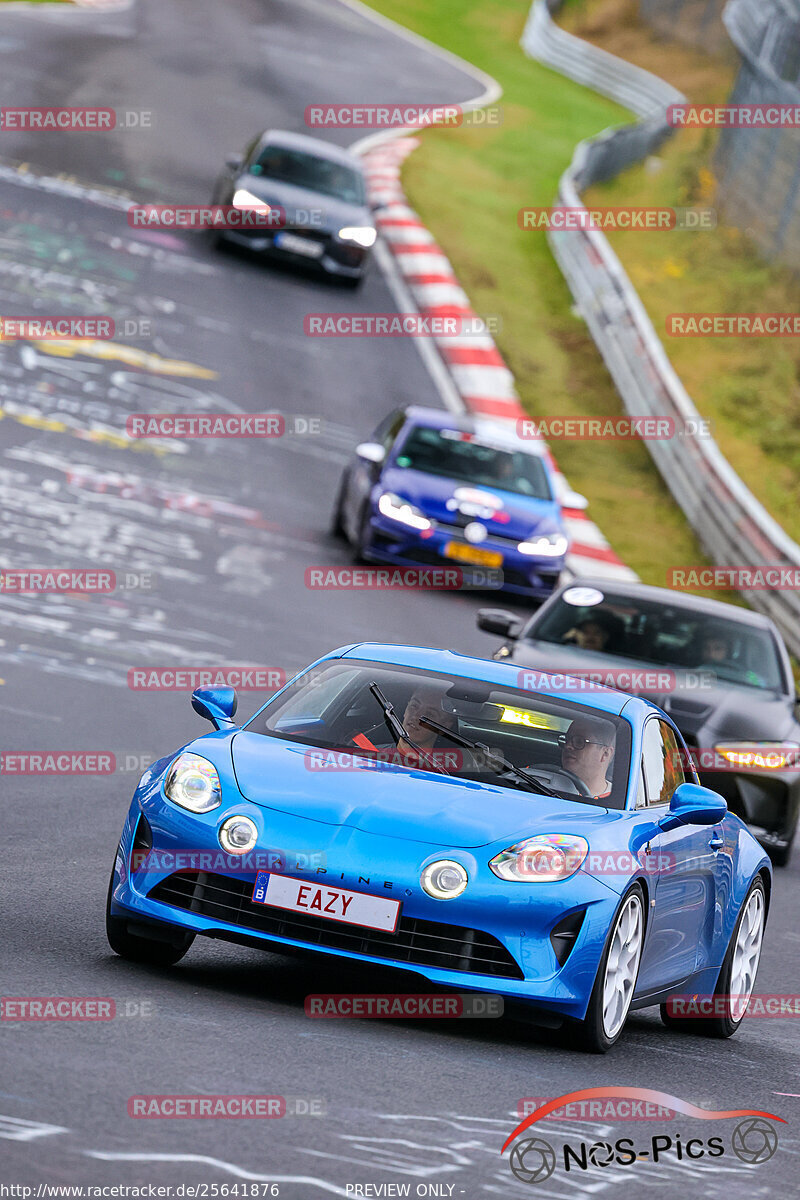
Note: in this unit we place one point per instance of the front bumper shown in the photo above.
(337, 258)
(768, 802)
(521, 574)
(495, 937)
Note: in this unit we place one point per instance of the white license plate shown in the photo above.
(298, 245)
(333, 903)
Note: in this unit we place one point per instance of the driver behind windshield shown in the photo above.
(601, 630)
(588, 752)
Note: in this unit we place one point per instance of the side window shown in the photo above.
(661, 758)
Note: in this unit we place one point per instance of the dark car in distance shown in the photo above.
(319, 193)
(721, 672)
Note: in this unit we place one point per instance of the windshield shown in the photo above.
(656, 632)
(577, 752)
(459, 455)
(310, 172)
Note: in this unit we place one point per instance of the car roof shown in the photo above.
(503, 436)
(675, 599)
(311, 145)
(450, 662)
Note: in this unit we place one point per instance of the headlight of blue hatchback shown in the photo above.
(397, 509)
(549, 545)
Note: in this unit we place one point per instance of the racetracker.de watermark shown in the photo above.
(771, 1004)
(72, 1008)
(733, 325)
(219, 216)
(741, 757)
(186, 679)
(733, 116)
(29, 581)
(420, 1006)
(432, 579)
(427, 760)
(559, 861)
(647, 680)
(607, 1109)
(407, 324)
(398, 116)
(220, 861)
(606, 429)
(70, 120)
(737, 579)
(207, 1107)
(563, 219)
(53, 579)
(205, 425)
(57, 762)
(57, 328)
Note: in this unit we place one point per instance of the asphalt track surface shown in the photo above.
(225, 531)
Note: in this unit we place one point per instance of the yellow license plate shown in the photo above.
(473, 554)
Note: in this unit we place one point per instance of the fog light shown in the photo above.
(444, 880)
(237, 835)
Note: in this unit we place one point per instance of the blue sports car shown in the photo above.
(443, 490)
(418, 808)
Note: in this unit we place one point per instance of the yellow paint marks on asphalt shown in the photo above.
(132, 356)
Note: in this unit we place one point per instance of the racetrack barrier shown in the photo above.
(731, 524)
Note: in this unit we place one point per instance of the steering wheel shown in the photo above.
(550, 773)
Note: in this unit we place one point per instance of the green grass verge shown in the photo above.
(468, 185)
(748, 387)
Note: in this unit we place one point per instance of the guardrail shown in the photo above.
(731, 524)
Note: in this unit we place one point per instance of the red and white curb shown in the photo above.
(483, 381)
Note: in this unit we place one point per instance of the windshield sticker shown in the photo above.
(583, 597)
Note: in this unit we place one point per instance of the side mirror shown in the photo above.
(571, 499)
(234, 162)
(692, 804)
(217, 705)
(371, 452)
(497, 620)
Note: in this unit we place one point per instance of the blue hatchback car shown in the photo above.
(437, 489)
(419, 809)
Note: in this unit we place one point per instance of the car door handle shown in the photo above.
(717, 842)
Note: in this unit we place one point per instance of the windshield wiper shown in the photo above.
(493, 758)
(397, 729)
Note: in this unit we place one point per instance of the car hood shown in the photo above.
(334, 213)
(516, 516)
(701, 709)
(396, 802)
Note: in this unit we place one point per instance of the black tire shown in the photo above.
(337, 528)
(718, 1026)
(138, 947)
(592, 1034)
(781, 853)
(364, 538)
(352, 284)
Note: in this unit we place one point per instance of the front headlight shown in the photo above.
(244, 199)
(760, 756)
(193, 783)
(397, 509)
(362, 235)
(549, 545)
(546, 858)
